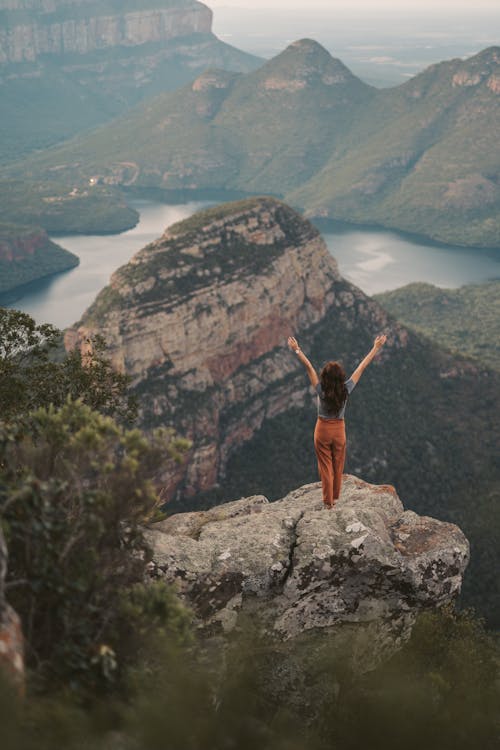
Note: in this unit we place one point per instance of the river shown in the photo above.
(375, 260)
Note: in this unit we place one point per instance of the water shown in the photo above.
(374, 260)
(378, 260)
(62, 299)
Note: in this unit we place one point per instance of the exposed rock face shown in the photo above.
(26, 255)
(62, 27)
(11, 636)
(301, 568)
(200, 320)
(18, 247)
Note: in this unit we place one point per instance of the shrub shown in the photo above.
(75, 488)
(33, 373)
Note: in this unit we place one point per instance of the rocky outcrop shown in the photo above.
(15, 247)
(11, 635)
(62, 27)
(368, 565)
(29, 254)
(200, 320)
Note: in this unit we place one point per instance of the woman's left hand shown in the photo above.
(293, 343)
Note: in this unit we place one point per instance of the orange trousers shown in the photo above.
(329, 444)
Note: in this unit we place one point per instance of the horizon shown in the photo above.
(354, 6)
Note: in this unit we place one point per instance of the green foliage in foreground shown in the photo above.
(466, 320)
(441, 691)
(75, 489)
(30, 376)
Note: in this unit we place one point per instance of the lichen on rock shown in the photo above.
(368, 564)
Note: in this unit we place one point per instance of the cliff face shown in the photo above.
(26, 255)
(58, 28)
(369, 565)
(200, 319)
(19, 247)
(66, 67)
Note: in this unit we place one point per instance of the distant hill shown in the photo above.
(66, 67)
(422, 157)
(465, 320)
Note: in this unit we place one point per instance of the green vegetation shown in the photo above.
(465, 320)
(71, 11)
(440, 691)
(34, 374)
(113, 662)
(57, 96)
(64, 206)
(421, 157)
(75, 491)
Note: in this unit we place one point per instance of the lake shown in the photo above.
(375, 260)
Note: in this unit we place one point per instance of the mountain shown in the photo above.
(69, 65)
(422, 157)
(200, 319)
(262, 131)
(466, 320)
(27, 254)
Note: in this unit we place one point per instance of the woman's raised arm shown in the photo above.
(377, 346)
(311, 372)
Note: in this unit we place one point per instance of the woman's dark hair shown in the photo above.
(332, 379)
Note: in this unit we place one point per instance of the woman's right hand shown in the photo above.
(379, 342)
(293, 344)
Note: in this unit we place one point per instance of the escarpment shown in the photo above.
(60, 27)
(368, 566)
(67, 66)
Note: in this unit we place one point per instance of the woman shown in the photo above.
(329, 435)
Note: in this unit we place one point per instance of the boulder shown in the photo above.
(367, 566)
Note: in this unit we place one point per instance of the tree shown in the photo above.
(75, 490)
(35, 372)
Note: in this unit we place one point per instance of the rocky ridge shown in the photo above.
(369, 564)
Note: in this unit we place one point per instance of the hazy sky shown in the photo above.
(401, 6)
